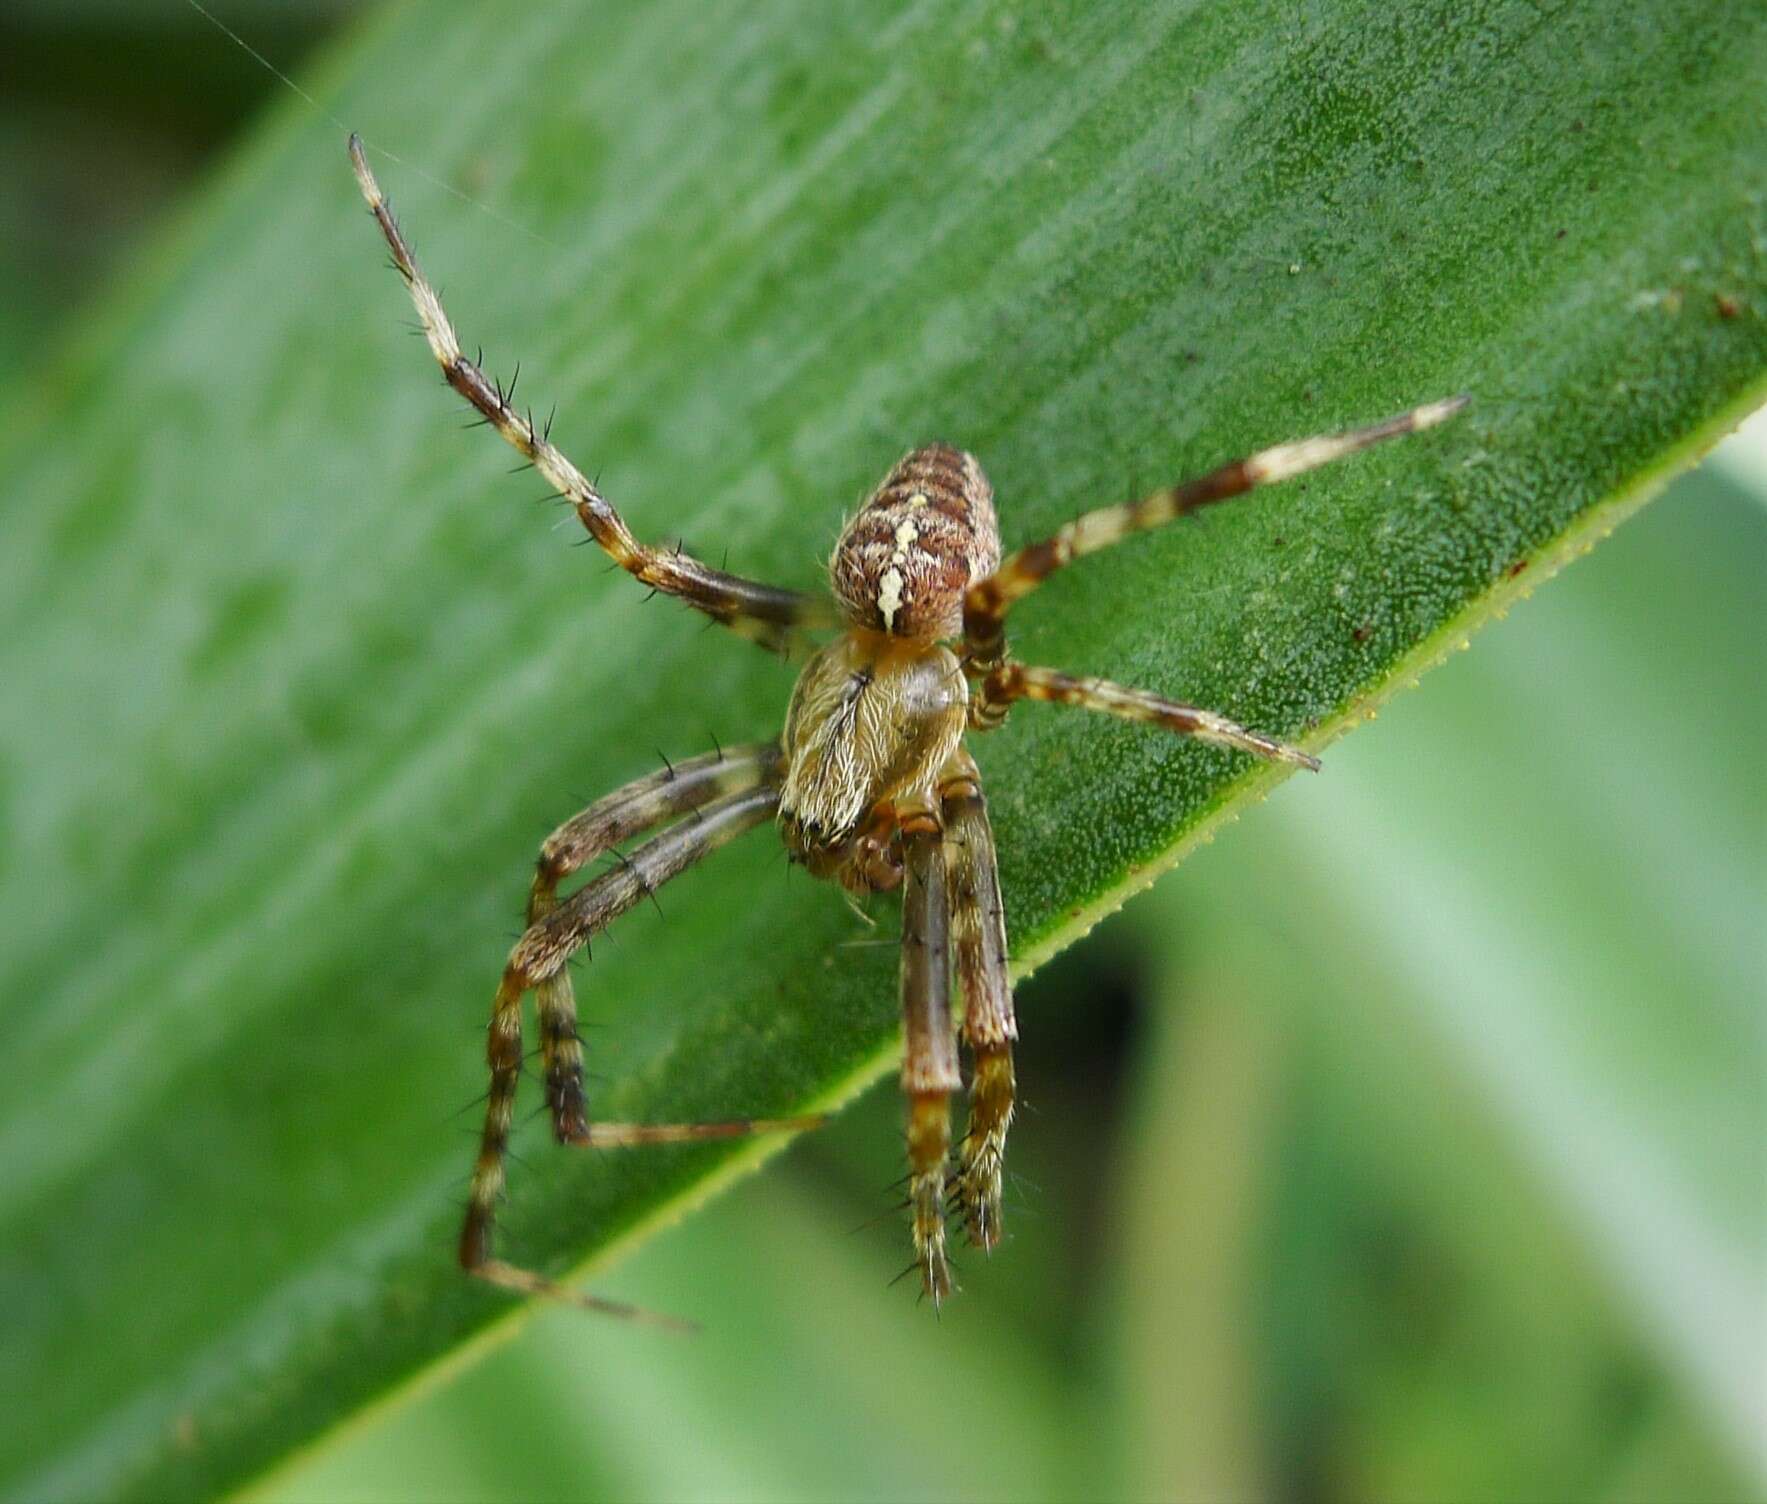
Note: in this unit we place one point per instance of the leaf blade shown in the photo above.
(293, 714)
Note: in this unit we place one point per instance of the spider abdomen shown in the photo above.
(922, 537)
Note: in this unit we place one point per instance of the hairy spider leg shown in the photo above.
(1018, 681)
(643, 804)
(987, 600)
(978, 920)
(764, 613)
(929, 1061)
(540, 954)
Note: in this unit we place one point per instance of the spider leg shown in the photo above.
(929, 1062)
(763, 612)
(989, 1028)
(1019, 681)
(538, 957)
(987, 600)
(638, 807)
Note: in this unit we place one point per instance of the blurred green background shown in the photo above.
(1410, 1143)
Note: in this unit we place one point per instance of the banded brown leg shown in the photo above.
(640, 806)
(989, 1027)
(765, 613)
(1018, 681)
(929, 1061)
(538, 957)
(987, 601)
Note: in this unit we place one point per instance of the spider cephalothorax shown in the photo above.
(869, 784)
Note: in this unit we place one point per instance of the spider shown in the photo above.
(869, 784)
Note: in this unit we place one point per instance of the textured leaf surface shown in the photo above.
(295, 680)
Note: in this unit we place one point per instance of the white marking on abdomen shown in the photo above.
(889, 587)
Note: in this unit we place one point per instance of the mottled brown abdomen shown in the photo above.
(905, 559)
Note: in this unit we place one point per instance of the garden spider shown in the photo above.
(869, 784)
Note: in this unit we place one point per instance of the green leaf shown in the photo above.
(295, 685)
